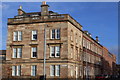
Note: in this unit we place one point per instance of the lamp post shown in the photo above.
(86, 64)
(44, 69)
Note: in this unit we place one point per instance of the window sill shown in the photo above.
(16, 58)
(17, 41)
(33, 40)
(55, 39)
(54, 76)
(54, 57)
(33, 58)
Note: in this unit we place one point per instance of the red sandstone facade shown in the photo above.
(70, 51)
(109, 63)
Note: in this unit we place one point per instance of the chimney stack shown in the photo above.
(20, 11)
(44, 9)
(97, 39)
(86, 32)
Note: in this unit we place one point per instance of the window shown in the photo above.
(76, 72)
(71, 35)
(83, 43)
(89, 57)
(76, 39)
(34, 52)
(17, 53)
(52, 70)
(34, 35)
(57, 51)
(80, 55)
(54, 51)
(87, 44)
(33, 70)
(72, 52)
(16, 70)
(84, 55)
(72, 70)
(55, 70)
(80, 40)
(80, 70)
(84, 70)
(77, 55)
(17, 36)
(55, 34)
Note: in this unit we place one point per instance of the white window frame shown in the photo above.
(19, 52)
(52, 34)
(13, 70)
(34, 32)
(17, 36)
(57, 70)
(57, 51)
(32, 50)
(76, 72)
(14, 55)
(55, 34)
(33, 70)
(16, 70)
(54, 50)
(54, 70)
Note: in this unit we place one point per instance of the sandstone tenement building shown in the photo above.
(70, 51)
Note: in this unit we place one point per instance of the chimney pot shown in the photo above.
(44, 3)
(20, 7)
(97, 39)
(20, 11)
(96, 36)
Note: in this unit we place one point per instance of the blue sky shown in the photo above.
(99, 18)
